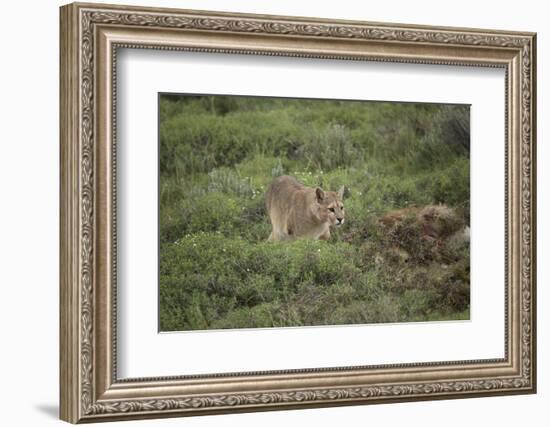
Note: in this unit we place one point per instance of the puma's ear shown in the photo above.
(320, 194)
(341, 192)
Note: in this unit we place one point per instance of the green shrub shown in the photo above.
(225, 180)
(450, 185)
(228, 282)
(331, 147)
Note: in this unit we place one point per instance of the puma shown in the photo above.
(297, 211)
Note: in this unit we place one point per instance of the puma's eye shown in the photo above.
(342, 207)
(331, 209)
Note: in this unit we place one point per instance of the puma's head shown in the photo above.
(331, 206)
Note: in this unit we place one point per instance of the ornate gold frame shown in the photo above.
(90, 36)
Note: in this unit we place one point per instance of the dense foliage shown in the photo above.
(219, 154)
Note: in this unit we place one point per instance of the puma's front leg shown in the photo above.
(325, 235)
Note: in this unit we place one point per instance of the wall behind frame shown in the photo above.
(29, 175)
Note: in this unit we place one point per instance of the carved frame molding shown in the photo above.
(90, 36)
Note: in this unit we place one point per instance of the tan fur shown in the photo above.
(298, 211)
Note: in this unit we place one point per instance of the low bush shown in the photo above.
(230, 283)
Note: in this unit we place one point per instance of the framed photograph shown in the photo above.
(265, 212)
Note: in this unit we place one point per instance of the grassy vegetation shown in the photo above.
(219, 154)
